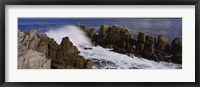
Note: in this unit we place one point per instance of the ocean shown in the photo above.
(171, 27)
(103, 58)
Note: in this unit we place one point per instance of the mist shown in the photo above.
(76, 35)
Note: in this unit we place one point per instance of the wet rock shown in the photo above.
(162, 42)
(102, 34)
(44, 51)
(71, 61)
(65, 48)
(176, 46)
(91, 32)
(141, 38)
(89, 64)
(42, 47)
(176, 50)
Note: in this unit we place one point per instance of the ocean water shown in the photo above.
(106, 59)
(103, 58)
(171, 27)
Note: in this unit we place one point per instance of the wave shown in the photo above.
(76, 35)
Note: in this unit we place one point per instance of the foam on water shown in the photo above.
(104, 58)
(76, 35)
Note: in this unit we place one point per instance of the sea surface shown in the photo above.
(103, 58)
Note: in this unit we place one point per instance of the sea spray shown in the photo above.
(76, 35)
(104, 58)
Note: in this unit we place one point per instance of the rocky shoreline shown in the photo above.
(122, 40)
(37, 51)
(41, 52)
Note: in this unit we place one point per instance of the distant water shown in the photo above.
(172, 27)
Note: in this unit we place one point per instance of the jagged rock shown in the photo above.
(32, 33)
(38, 47)
(30, 59)
(91, 32)
(65, 48)
(162, 42)
(71, 62)
(42, 47)
(113, 35)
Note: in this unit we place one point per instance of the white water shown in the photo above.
(104, 58)
(107, 59)
(76, 35)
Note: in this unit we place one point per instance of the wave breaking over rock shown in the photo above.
(76, 35)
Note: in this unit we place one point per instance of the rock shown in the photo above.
(113, 35)
(149, 49)
(176, 46)
(140, 47)
(69, 62)
(102, 34)
(91, 33)
(89, 64)
(52, 49)
(177, 58)
(141, 38)
(65, 48)
(42, 47)
(32, 33)
(162, 42)
(79, 62)
(30, 59)
(94, 39)
(176, 50)
(39, 51)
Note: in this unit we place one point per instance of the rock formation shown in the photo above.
(122, 40)
(39, 51)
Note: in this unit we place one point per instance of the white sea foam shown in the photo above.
(104, 58)
(76, 35)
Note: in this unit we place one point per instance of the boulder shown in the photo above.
(162, 42)
(30, 59)
(176, 50)
(71, 62)
(91, 33)
(102, 34)
(42, 47)
(176, 46)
